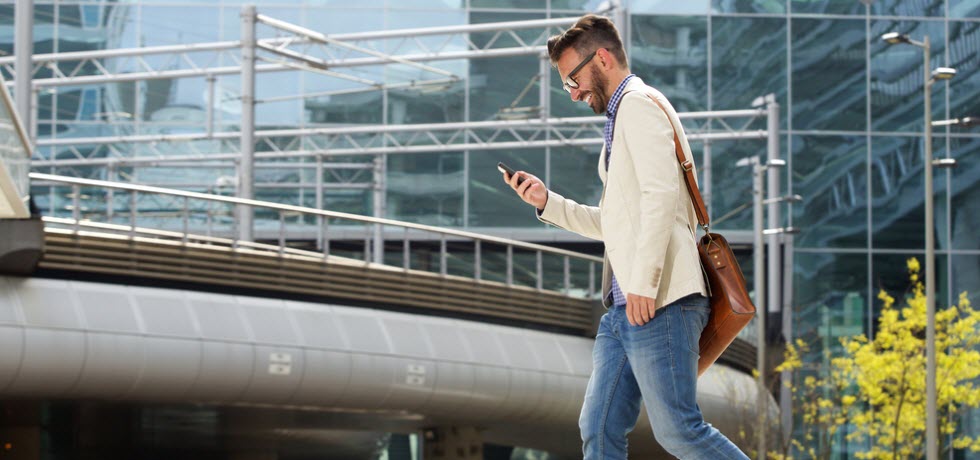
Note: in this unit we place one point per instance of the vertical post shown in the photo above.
(539, 270)
(210, 109)
(591, 279)
(477, 272)
(773, 255)
(760, 300)
(705, 184)
(110, 193)
(76, 204)
(23, 50)
(442, 254)
(406, 251)
(379, 207)
(567, 273)
(932, 419)
(785, 392)
(245, 173)
(320, 228)
(510, 265)
(32, 128)
(186, 218)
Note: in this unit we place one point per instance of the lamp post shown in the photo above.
(941, 73)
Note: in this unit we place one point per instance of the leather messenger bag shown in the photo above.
(731, 307)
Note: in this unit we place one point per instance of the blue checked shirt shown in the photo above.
(616, 292)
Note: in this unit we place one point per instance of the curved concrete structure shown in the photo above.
(81, 340)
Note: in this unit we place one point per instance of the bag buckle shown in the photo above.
(687, 165)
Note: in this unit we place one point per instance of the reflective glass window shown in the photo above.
(748, 6)
(492, 202)
(830, 300)
(574, 174)
(502, 4)
(907, 8)
(748, 60)
(827, 6)
(965, 186)
(730, 201)
(897, 194)
(505, 87)
(670, 54)
(830, 173)
(896, 76)
(828, 73)
(964, 55)
(426, 188)
(964, 8)
(172, 25)
(669, 7)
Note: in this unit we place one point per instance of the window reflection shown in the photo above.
(830, 173)
(749, 60)
(829, 89)
(670, 54)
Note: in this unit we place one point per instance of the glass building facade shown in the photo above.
(851, 125)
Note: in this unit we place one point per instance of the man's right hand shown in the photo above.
(532, 190)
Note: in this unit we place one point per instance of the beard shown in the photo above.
(599, 99)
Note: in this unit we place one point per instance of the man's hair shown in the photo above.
(590, 33)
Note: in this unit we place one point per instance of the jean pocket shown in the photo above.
(695, 319)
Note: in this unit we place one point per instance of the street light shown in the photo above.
(941, 73)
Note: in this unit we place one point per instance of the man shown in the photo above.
(647, 343)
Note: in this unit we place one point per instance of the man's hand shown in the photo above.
(640, 309)
(532, 190)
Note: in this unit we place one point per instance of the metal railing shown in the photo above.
(323, 218)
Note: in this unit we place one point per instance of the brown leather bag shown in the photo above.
(731, 306)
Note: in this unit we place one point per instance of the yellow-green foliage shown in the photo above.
(876, 388)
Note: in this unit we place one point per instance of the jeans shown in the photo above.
(658, 363)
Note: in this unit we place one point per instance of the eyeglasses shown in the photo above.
(570, 82)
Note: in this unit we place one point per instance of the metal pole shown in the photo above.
(773, 284)
(23, 49)
(379, 207)
(760, 300)
(210, 110)
(319, 201)
(245, 173)
(932, 435)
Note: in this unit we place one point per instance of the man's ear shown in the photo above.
(605, 58)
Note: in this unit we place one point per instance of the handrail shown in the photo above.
(315, 212)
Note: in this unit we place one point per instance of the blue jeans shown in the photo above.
(658, 363)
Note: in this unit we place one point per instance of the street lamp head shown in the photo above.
(943, 73)
(894, 38)
(969, 121)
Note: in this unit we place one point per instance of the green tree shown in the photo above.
(876, 388)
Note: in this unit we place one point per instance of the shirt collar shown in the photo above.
(613, 105)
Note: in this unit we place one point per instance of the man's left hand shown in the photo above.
(640, 309)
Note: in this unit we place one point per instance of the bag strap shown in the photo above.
(688, 167)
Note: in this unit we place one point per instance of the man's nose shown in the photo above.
(576, 94)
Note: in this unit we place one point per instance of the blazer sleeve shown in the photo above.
(569, 215)
(649, 140)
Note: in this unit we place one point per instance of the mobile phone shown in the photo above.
(510, 172)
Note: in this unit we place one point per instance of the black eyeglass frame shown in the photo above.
(569, 81)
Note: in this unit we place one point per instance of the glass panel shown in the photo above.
(435, 103)
(14, 153)
(730, 204)
(670, 54)
(827, 6)
(965, 184)
(583, 5)
(897, 180)
(830, 173)
(965, 88)
(907, 8)
(829, 90)
(896, 76)
(507, 87)
(669, 7)
(964, 8)
(426, 188)
(749, 60)
(492, 202)
(831, 300)
(748, 6)
(574, 174)
(171, 25)
(517, 4)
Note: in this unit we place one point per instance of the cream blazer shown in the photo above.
(645, 217)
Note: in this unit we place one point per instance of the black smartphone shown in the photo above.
(510, 172)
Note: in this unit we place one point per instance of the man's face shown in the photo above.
(588, 83)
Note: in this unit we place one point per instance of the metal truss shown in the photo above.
(306, 50)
